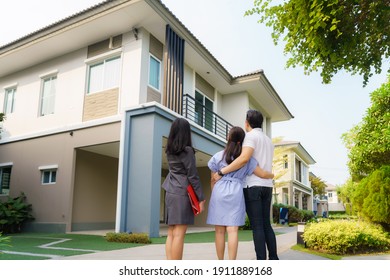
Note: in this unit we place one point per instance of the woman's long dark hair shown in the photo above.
(234, 145)
(179, 137)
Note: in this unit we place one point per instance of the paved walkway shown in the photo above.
(206, 251)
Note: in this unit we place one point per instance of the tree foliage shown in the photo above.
(345, 193)
(372, 196)
(330, 35)
(369, 142)
(278, 162)
(317, 185)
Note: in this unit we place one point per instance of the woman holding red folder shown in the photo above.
(227, 204)
(182, 172)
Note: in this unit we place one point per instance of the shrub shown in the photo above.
(371, 197)
(345, 237)
(123, 237)
(342, 217)
(14, 213)
(247, 225)
(295, 215)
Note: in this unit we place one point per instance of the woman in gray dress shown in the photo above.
(182, 172)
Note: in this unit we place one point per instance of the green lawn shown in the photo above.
(30, 242)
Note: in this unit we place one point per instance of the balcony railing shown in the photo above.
(197, 112)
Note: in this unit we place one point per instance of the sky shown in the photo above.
(322, 113)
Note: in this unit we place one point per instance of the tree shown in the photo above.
(317, 185)
(330, 35)
(368, 142)
(371, 196)
(345, 193)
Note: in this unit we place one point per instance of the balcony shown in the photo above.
(198, 113)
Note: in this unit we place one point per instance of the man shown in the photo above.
(258, 191)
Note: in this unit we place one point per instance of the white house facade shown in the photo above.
(89, 101)
(334, 202)
(293, 186)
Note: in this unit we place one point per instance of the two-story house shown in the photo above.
(89, 101)
(334, 202)
(292, 187)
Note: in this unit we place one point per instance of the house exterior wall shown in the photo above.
(95, 190)
(101, 104)
(70, 70)
(234, 108)
(52, 204)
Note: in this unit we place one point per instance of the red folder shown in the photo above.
(193, 200)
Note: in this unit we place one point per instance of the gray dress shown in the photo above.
(182, 172)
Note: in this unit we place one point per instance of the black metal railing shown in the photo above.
(197, 112)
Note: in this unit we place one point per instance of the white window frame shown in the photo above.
(2, 166)
(102, 59)
(151, 56)
(7, 92)
(304, 171)
(51, 169)
(51, 95)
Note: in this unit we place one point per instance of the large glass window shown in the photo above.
(301, 172)
(48, 95)
(104, 75)
(154, 72)
(5, 180)
(298, 172)
(9, 101)
(203, 111)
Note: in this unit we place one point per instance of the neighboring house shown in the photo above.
(292, 186)
(89, 102)
(333, 201)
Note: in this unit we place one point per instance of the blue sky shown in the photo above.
(322, 113)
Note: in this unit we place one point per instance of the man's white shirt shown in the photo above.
(263, 152)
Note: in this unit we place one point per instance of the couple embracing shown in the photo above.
(241, 180)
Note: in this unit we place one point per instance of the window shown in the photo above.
(285, 162)
(49, 176)
(5, 179)
(203, 111)
(298, 173)
(104, 75)
(301, 172)
(48, 94)
(154, 72)
(9, 100)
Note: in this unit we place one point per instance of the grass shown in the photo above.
(30, 242)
